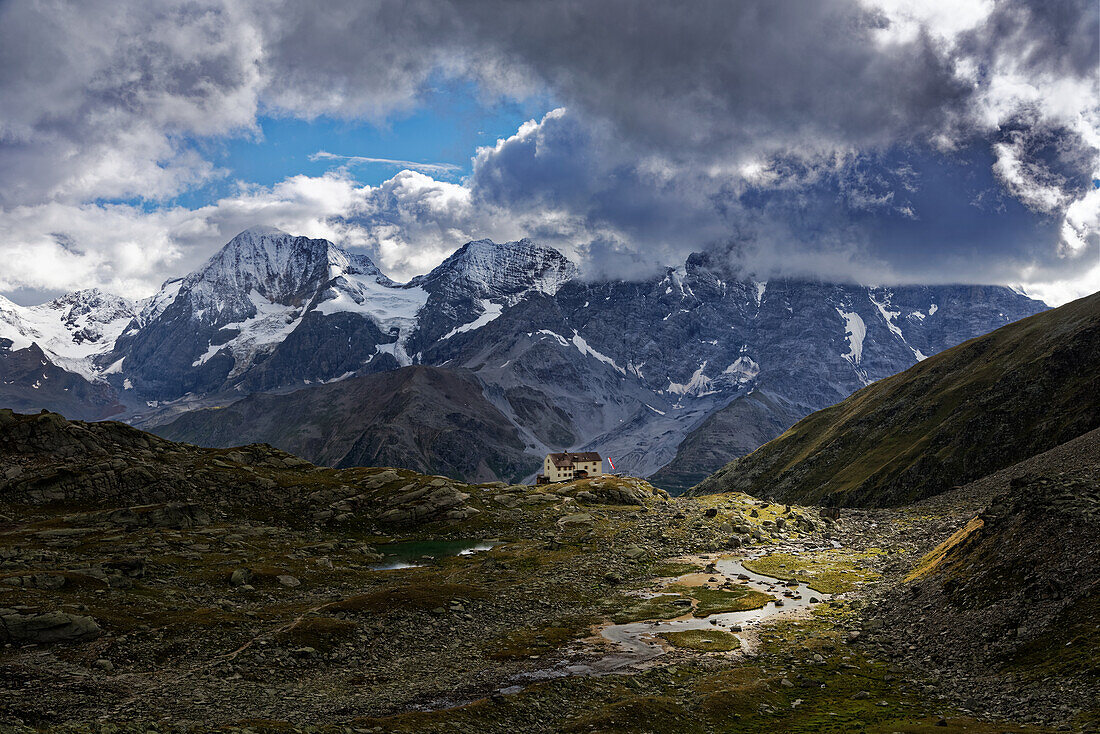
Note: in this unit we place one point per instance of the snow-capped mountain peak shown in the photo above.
(154, 305)
(506, 272)
(281, 267)
(263, 230)
(83, 311)
(71, 329)
(255, 292)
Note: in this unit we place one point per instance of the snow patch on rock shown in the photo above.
(887, 315)
(855, 331)
(260, 334)
(761, 286)
(743, 369)
(583, 348)
(698, 386)
(489, 312)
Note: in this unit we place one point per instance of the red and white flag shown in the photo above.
(612, 463)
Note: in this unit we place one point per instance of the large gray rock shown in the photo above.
(241, 576)
(438, 500)
(46, 628)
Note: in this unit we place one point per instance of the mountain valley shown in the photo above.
(148, 585)
(152, 586)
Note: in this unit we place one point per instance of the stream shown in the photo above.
(636, 642)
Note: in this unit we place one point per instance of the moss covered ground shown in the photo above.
(833, 571)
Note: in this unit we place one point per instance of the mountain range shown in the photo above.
(683, 370)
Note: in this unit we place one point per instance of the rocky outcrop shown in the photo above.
(610, 490)
(46, 458)
(176, 515)
(48, 627)
(152, 483)
(1005, 609)
(439, 499)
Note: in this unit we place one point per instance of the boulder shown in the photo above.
(178, 515)
(48, 581)
(174, 515)
(579, 518)
(395, 515)
(47, 628)
(134, 567)
(241, 576)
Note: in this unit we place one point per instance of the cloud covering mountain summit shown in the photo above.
(879, 139)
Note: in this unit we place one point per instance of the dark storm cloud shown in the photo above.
(1057, 37)
(721, 79)
(712, 78)
(667, 105)
(832, 137)
(908, 214)
(355, 58)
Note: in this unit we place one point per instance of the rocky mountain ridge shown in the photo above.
(418, 417)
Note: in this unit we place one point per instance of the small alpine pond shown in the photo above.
(414, 553)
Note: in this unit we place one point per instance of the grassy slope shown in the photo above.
(957, 416)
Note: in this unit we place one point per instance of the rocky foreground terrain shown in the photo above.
(147, 585)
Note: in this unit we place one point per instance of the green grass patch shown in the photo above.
(720, 601)
(829, 572)
(934, 560)
(667, 569)
(631, 609)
